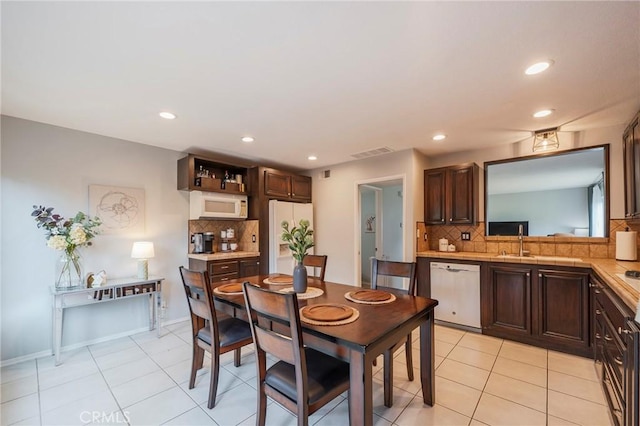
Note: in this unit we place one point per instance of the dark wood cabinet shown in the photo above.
(537, 305)
(451, 195)
(197, 173)
(631, 146)
(286, 186)
(227, 269)
(617, 352)
(508, 300)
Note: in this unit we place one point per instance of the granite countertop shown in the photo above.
(628, 289)
(224, 255)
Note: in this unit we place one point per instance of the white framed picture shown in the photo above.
(121, 209)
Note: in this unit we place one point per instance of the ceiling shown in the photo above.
(326, 78)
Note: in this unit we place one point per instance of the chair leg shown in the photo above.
(236, 357)
(197, 360)
(409, 354)
(262, 406)
(388, 378)
(213, 383)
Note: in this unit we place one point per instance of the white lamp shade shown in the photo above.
(142, 250)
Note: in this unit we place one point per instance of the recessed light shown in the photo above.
(312, 158)
(247, 139)
(538, 67)
(167, 115)
(439, 137)
(543, 113)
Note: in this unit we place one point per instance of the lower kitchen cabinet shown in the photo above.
(537, 305)
(227, 269)
(617, 353)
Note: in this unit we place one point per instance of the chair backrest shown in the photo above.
(393, 269)
(197, 288)
(283, 339)
(316, 261)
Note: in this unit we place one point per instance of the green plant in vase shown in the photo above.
(300, 240)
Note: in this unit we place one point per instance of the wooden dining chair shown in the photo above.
(316, 261)
(403, 270)
(304, 379)
(216, 334)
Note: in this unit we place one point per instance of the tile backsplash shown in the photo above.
(244, 231)
(544, 246)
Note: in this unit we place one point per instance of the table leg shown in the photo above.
(361, 389)
(427, 360)
(57, 332)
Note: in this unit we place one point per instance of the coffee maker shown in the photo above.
(208, 242)
(198, 242)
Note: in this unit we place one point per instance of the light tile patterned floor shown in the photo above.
(143, 380)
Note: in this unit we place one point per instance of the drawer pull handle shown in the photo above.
(617, 360)
(597, 290)
(621, 330)
(598, 336)
(224, 279)
(598, 312)
(607, 337)
(224, 267)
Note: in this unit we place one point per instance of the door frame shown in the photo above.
(358, 224)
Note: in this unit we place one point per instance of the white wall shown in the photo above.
(335, 207)
(568, 140)
(53, 166)
(548, 212)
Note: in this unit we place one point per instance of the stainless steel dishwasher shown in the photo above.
(456, 286)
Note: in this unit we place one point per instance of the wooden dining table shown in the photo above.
(377, 328)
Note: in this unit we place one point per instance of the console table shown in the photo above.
(115, 289)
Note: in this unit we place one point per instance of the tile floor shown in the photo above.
(143, 380)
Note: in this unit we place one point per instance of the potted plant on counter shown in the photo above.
(300, 239)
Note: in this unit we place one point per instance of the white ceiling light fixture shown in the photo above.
(167, 115)
(538, 67)
(543, 113)
(312, 158)
(247, 139)
(439, 137)
(545, 140)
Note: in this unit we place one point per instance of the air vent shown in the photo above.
(372, 152)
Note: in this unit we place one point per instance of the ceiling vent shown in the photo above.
(372, 152)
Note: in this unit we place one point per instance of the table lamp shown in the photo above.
(143, 251)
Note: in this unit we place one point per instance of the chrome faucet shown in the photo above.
(520, 240)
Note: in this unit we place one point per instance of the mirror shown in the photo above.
(563, 194)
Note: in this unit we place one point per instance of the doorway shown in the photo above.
(380, 220)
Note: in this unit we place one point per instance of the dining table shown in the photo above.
(377, 328)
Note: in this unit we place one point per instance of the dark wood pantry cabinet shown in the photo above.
(631, 146)
(538, 305)
(451, 195)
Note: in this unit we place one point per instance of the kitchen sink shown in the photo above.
(554, 258)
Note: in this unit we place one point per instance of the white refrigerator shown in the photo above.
(280, 258)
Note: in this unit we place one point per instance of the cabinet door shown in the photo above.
(301, 188)
(249, 267)
(629, 187)
(461, 187)
(434, 196)
(509, 300)
(563, 307)
(277, 184)
(634, 133)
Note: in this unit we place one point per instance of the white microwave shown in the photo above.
(213, 205)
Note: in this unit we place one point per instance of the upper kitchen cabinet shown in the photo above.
(196, 173)
(451, 195)
(287, 186)
(631, 141)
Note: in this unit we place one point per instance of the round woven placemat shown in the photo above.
(232, 293)
(279, 280)
(309, 294)
(352, 318)
(366, 302)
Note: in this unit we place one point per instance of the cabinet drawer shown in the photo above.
(224, 277)
(612, 393)
(615, 313)
(223, 267)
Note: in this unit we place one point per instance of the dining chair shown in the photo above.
(211, 332)
(387, 268)
(304, 379)
(316, 261)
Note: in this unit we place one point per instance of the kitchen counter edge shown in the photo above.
(605, 268)
(224, 255)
